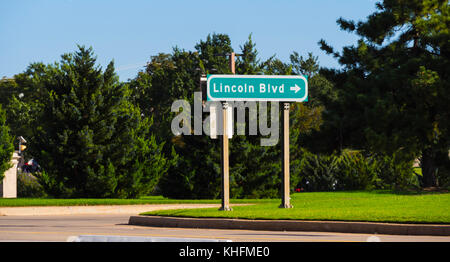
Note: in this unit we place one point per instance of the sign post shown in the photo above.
(286, 199)
(272, 88)
(225, 162)
(225, 165)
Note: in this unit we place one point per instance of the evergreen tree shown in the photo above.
(88, 137)
(394, 85)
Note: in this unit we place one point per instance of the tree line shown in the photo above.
(363, 127)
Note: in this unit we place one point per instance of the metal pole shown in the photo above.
(225, 153)
(225, 164)
(286, 200)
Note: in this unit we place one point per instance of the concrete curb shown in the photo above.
(293, 225)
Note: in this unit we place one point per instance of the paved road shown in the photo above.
(60, 227)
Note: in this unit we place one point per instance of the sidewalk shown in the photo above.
(105, 209)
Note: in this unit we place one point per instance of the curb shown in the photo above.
(293, 225)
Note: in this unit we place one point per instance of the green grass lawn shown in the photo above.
(376, 206)
(17, 202)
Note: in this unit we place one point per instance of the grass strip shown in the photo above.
(375, 206)
(21, 202)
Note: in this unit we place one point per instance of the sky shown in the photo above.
(130, 32)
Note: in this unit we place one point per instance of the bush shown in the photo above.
(357, 172)
(29, 186)
(352, 170)
(395, 172)
(317, 172)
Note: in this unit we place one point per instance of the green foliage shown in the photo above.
(352, 170)
(88, 137)
(443, 171)
(28, 186)
(195, 164)
(309, 123)
(22, 98)
(393, 87)
(357, 172)
(317, 172)
(97, 137)
(6, 145)
(255, 170)
(396, 172)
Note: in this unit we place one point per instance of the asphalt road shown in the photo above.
(59, 228)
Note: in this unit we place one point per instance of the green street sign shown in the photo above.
(257, 88)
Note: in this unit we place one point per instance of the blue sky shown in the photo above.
(131, 31)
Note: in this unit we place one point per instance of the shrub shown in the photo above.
(317, 172)
(396, 172)
(356, 172)
(353, 170)
(29, 186)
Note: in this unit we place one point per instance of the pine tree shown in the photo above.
(88, 138)
(394, 85)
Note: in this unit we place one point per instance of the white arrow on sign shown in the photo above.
(295, 88)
